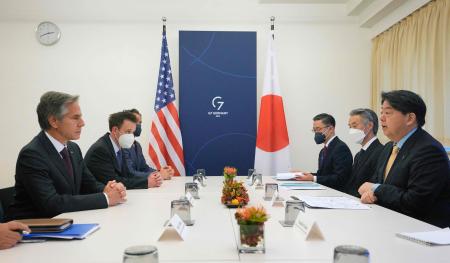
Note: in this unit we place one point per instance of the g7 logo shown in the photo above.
(219, 101)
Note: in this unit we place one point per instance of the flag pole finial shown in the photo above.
(272, 26)
(164, 19)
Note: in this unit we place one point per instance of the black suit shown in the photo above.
(336, 166)
(418, 183)
(44, 187)
(102, 162)
(364, 166)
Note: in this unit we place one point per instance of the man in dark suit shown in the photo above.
(105, 158)
(335, 158)
(363, 124)
(135, 160)
(51, 176)
(413, 173)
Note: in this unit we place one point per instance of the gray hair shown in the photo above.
(367, 116)
(53, 103)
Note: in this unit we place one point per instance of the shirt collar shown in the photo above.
(367, 145)
(57, 144)
(328, 143)
(405, 138)
(115, 146)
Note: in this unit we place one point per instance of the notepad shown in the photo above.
(430, 238)
(41, 225)
(332, 202)
(76, 231)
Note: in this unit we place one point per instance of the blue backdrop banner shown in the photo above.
(218, 100)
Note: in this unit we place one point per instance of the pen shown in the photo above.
(295, 198)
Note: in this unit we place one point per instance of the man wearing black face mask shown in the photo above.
(335, 159)
(135, 159)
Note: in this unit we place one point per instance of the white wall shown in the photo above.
(323, 67)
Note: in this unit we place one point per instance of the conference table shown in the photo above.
(214, 236)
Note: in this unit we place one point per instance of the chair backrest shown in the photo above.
(6, 198)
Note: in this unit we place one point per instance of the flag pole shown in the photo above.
(272, 26)
(164, 19)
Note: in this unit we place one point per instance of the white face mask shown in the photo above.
(126, 140)
(356, 135)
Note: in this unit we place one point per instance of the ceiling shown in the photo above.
(366, 13)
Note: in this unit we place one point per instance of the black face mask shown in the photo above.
(138, 130)
(319, 137)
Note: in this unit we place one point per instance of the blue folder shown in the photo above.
(76, 231)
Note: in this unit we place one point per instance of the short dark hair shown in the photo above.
(406, 102)
(135, 111)
(367, 115)
(53, 103)
(117, 119)
(326, 118)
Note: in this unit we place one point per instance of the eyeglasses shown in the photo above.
(319, 129)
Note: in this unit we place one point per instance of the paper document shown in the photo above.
(287, 176)
(302, 186)
(334, 202)
(430, 238)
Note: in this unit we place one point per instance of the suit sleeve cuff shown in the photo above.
(107, 200)
(374, 187)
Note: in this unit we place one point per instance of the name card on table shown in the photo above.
(308, 226)
(175, 230)
(190, 198)
(277, 200)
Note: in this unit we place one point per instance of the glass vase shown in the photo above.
(251, 239)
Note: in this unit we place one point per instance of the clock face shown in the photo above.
(48, 33)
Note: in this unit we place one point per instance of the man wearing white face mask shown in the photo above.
(105, 158)
(363, 124)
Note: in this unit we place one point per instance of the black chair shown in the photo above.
(6, 198)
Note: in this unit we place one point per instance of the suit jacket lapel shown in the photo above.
(56, 158)
(402, 153)
(111, 151)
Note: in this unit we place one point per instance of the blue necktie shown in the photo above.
(119, 159)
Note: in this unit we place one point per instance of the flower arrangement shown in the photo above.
(229, 173)
(251, 215)
(234, 193)
(251, 228)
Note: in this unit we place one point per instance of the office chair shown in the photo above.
(6, 198)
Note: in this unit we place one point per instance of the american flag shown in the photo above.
(166, 146)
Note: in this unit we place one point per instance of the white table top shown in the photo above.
(213, 238)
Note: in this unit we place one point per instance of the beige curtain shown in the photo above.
(415, 55)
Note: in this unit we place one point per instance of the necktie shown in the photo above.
(391, 160)
(66, 157)
(119, 158)
(323, 155)
(358, 157)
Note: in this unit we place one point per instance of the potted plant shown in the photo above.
(251, 229)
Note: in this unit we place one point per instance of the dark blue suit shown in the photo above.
(102, 162)
(364, 167)
(336, 166)
(135, 161)
(43, 186)
(418, 183)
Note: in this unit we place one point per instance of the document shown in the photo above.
(429, 238)
(287, 176)
(302, 186)
(333, 202)
(75, 231)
